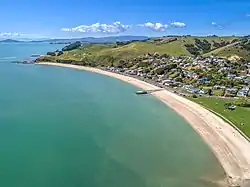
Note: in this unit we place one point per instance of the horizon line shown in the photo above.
(68, 38)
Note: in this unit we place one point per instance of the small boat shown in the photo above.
(142, 92)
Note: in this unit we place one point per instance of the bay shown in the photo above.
(62, 127)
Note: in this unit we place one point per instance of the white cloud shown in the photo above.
(155, 26)
(66, 29)
(178, 24)
(113, 28)
(9, 34)
(16, 35)
(247, 15)
(217, 25)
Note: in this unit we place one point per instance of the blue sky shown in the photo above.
(80, 18)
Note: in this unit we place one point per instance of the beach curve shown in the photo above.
(229, 146)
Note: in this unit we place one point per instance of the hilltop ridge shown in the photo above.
(101, 53)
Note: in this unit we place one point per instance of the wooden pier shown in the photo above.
(144, 92)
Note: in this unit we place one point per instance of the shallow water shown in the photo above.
(63, 127)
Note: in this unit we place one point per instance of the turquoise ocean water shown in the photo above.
(69, 128)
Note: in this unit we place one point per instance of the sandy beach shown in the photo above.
(229, 146)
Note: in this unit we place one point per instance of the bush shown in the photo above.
(51, 53)
(192, 49)
(204, 45)
(72, 46)
(242, 101)
(220, 44)
(143, 64)
(210, 92)
(59, 53)
(146, 70)
(171, 66)
(194, 96)
(219, 92)
(178, 79)
(160, 71)
(46, 59)
(175, 75)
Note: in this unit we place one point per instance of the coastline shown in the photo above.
(229, 146)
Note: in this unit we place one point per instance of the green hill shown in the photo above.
(239, 49)
(9, 41)
(173, 45)
(234, 51)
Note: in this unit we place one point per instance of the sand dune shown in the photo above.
(228, 145)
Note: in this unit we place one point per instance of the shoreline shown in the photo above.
(228, 145)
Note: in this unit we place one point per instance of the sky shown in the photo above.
(99, 18)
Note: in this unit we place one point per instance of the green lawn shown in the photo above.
(238, 116)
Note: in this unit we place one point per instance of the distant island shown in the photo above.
(86, 40)
(109, 39)
(10, 41)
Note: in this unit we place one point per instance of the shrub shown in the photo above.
(171, 66)
(59, 53)
(178, 79)
(144, 64)
(160, 71)
(51, 53)
(204, 45)
(220, 44)
(192, 49)
(210, 92)
(72, 46)
(194, 96)
(242, 101)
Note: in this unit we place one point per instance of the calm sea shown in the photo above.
(69, 128)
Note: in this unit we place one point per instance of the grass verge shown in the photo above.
(238, 117)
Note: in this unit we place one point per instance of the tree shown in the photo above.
(223, 92)
(194, 96)
(160, 71)
(143, 64)
(242, 101)
(59, 53)
(192, 49)
(178, 79)
(146, 70)
(72, 46)
(204, 45)
(51, 53)
(210, 92)
(198, 70)
(171, 66)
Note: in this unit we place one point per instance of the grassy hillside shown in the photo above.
(173, 46)
(240, 48)
(233, 51)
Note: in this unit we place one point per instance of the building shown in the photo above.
(243, 92)
(231, 92)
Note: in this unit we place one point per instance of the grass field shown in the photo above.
(237, 117)
(234, 50)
